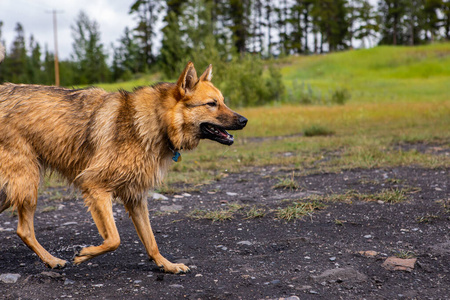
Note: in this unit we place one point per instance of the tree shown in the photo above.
(446, 18)
(363, 20)
(238, 16)
(16, 64)
(331, 20)
(392, 13)
(174, 49)
(431, 19)
(88, 55)
(147, 12)
(35, 63)
(126, 57)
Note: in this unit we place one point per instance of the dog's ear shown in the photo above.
(188, 79)
(207, 75)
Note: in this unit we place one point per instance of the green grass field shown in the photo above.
(398, 95)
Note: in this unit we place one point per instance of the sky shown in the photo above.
(37, 19)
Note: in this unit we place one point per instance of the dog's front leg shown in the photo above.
(139, 214)
(100, 206)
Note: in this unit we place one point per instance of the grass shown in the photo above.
(298, 210)
(317, 130)
(213, 215)
(287, 183)
(391, 196)
(405, 254)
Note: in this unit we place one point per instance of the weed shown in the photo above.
(255, 212)
(339, 222)
(213, 215)
(234, 207)
(49, 209)
(405, 254)
(287, 183)
(340, 96)
(394, 181)
(298, 210)
(317, 130)
(391, 196)
(428, 218)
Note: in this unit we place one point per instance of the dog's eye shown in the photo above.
(212, 104)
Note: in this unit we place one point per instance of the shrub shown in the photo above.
(317, 130)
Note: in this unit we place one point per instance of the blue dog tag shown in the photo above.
(177, 156)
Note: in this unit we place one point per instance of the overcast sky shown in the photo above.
(36, 18)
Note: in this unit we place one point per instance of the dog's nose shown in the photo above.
(242, 121)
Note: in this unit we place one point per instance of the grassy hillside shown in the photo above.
(382, 74)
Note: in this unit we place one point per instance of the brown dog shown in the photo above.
(108, 145)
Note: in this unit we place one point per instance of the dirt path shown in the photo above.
(252, 258)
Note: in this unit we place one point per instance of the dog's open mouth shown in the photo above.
(216, 133)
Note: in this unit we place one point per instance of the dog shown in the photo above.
(109, 145)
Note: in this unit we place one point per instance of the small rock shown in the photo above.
(341, 275)
(231, 194)
(369, 253)
(332, 258)
(9, 278)
(176, 286)
(276, 281)
(70, 223)
(68, 281)
(368, 236)
(186, 195)
(247, 243)
(178, 196)
(156, 196)
(51, 274)
(98, 285)
(440, 249)
(171, 208)
(198, 275)
(288, 298)
(399, 264)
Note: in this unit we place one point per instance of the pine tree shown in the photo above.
(446, 18)
(331, 20)
(35, 63)
(17, 58)
(147, 12)
(126, 57)
(88, 51)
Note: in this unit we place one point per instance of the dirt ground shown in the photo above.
(256, 258)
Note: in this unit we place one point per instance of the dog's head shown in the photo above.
(200, 112)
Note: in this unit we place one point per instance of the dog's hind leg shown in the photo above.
(139, 214)
(25, 229)
(100, 206)
(21, 174)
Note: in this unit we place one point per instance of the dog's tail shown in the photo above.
(2, 52)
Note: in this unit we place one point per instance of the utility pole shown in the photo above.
(55, 37)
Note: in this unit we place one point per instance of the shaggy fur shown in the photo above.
(109, 145)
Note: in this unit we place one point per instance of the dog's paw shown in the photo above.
(56, 264)
(175, 268)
